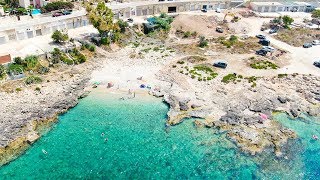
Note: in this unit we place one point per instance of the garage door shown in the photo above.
(2, 40)
(266, 9)
(21, 36)
(273, 9)
(30, 34)
(38, 32)
(259, 9)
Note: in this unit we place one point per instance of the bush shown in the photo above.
(2, 71)
(92, 48)
(37, 89)
(57, 5)
(228, 78)
(18, 89)
(203, 42)
(187, 34)
(18, 60)
(122, 25)
(180, 62)
(105, 41)
(33, 80)
(31, 62)
(59, 37)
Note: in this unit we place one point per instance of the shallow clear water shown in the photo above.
(139, 147)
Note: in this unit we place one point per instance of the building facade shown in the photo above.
(42, 26)
(143, 8)
(281, 6)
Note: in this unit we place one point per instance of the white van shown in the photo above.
(316, 42)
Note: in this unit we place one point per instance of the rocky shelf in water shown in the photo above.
(237, 107)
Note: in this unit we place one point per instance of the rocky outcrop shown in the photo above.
(236, 107)
(22, 112)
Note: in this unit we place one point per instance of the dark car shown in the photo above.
(260, 36)
(66, 12)
(220, 64)
(317, 64)
(264, 42)
(307, 45)
(57, 14)
(262, 52)
(272, 31)
(219, 29)
(130, 20)
(204, 10)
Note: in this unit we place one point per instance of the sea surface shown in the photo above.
(107, 138)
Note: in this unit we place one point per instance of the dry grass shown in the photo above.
(298, 36)
(239, 47)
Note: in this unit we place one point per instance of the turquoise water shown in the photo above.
(139, 147)
(35, 11)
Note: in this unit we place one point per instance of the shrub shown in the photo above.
(180, 62)
(57, 5)
(2, 71)
(228, 78)
(37, 89)
(203, 42)
(186, 34)
(122, 25)
(18, 60)
(33, 80)
(59, 37)
(174, 66)
(92, 48)
(105, 41)
(31, 62)
(18, 89)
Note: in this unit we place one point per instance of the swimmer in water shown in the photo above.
(106, 140)
(102, 134)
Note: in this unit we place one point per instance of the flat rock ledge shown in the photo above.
(237, 107)
(24, 113)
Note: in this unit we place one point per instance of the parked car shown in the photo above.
(317, 64)
(272, 31)
(307, 45)
(220, 64)
(219, 29)
(56, 14)
(260, 36)
(264, 42)
(130, 20)
(316, 42)
(218, 10)
(262, 52)
(268, 48)
(66, 12)
(204, 10)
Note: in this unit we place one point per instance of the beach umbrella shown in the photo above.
(110, 84)
(263, 116)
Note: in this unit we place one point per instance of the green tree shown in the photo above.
(59, 37)
(316, 14)
(287, 20)
(18, 60)
(2, 71)
(122, 25)
(101, 18)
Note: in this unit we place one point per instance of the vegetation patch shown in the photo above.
(238, 78)
(201, 72)
(263, 65)
(297, 36)
(33, 80)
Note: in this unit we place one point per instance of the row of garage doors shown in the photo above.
(44, 31)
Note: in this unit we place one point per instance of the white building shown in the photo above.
(281, 7)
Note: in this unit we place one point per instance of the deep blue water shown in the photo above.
(139, 147)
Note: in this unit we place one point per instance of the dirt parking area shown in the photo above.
(298, 36)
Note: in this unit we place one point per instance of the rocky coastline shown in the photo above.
(24, 113)
(237, 107)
